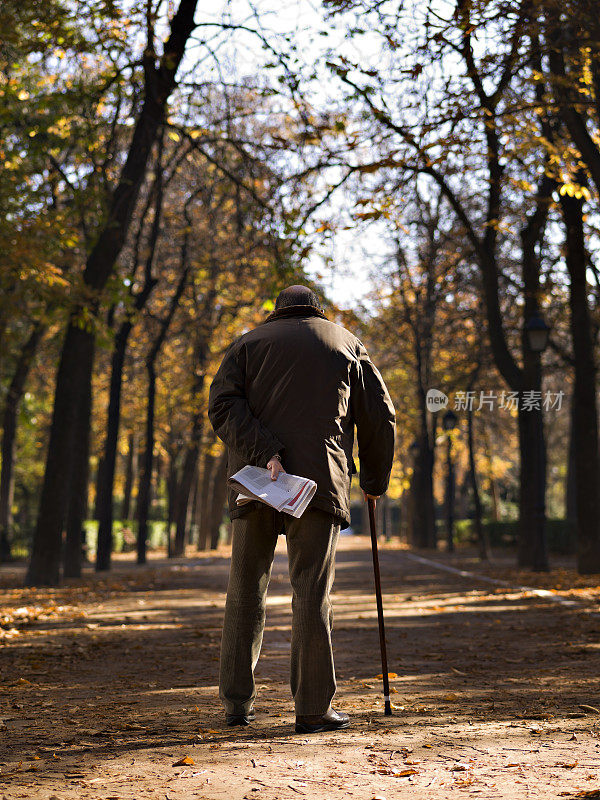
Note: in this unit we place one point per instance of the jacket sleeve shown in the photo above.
(375, 420)
(231, 416)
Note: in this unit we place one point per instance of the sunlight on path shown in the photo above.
(494, 689)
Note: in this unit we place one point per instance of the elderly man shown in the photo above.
(289, 394)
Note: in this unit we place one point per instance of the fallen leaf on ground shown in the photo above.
(591, 709)
(186, 761)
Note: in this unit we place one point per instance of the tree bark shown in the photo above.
(146, 474)
(130, 473)
(106, 480)
(73, 377)
(99, 481)
(532, 548)
(78, 490)
(204, 507)
(387, 518)
(450, 496)
(491, 479)
(480, 532)
(185, 486)
(9, 435)
(218, 495)
(571, 482)
(172, 489)
(145, 484)
(76, 361)
(106, 475)
(585, 431)
(194, 511)
(424, 530)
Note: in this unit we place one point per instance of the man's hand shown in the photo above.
(275, 466)
(373, 497)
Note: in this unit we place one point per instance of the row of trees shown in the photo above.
(493, 109)
(154, 203)
(155, 200)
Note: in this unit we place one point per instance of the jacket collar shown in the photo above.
(295, 311)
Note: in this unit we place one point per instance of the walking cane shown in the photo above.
(384, 666)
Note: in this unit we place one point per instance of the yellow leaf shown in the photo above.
(186, 761)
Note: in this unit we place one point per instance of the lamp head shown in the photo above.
(537, 332)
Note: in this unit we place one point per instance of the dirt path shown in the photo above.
(106, 683)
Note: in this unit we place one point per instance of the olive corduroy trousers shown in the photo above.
(311, 543)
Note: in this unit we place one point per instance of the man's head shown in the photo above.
(297, 296)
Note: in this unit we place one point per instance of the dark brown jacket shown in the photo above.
(297, 385)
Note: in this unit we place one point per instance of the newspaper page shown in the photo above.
(289, 493)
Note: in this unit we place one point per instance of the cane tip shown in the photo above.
(388, 709)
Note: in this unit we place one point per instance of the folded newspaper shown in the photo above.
(289, 493)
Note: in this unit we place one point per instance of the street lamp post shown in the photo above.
(449, 421)
(537, 334)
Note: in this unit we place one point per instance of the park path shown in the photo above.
(107, 683)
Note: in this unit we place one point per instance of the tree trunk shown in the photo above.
(492, 481)
(76, 361)
(587, 465)
(111, 442)
(106, 476)
(99, 482)
(480, 532)
(130, 472)
(571, 483)
(172, 489)
(158, 478)
(218, 495)
(532, 550)
(450, 494)
(194, 513)
(78, 491)
(405, 512)
(145, 484)
(532, 545)
(387, 518)
(423, 516)
(204, 507)
(9, 436)
(185, 486)
(72, 381)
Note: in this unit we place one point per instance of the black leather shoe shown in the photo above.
(241, 719)
(329, 721)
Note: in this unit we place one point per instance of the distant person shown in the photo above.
(288, 394)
